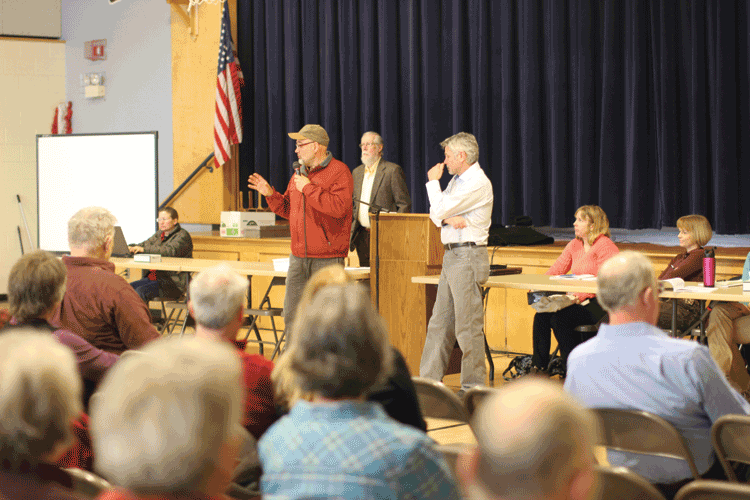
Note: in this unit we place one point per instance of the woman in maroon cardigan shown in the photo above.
(695, 231)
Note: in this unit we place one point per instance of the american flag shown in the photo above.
(228, 117)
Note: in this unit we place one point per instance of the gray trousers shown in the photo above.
(300, 270)
(458, 315)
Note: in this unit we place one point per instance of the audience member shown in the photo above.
(535, 443)
(380, 184)
(631, 364)
(583, 255)
(216, 302)
(724, 338)
(169, 241)
(167, 424)
(339, 445)
(318, 204)
(695, 231)
(397, 393)
(99, 305)
(463, 212)
(36, 285)
(40, 397)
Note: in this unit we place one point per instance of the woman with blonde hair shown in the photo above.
(583, 255)
(695, 232)
(396, 393)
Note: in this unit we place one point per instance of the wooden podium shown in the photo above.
(402, 246)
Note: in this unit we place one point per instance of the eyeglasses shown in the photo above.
(368, 144)
(303, 144)
(164, 220)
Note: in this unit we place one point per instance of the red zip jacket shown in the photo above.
(320, 217)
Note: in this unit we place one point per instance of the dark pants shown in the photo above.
(563, 323)
(146, 289)
(362, 246)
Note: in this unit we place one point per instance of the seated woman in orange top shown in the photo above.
(583, 255)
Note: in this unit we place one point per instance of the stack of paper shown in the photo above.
(281, 264)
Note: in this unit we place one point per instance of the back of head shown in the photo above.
(534, 439)
(162, 418)
(340, 345)
(463, 142)
(286, 388)
(36, 283)
(622, 278)
(698, 226)
(40, 395)
(90, 227)
(216, 296)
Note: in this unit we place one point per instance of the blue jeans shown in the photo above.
(146, 289)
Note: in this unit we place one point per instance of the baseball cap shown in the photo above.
(315, 133)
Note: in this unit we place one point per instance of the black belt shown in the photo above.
(451, 246)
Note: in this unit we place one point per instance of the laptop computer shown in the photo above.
(119, 245)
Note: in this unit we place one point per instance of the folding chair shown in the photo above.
(437, 401)
(705, 489)
(619, 483)
(266, 310)
(173, 305)
(474, 397)
(643, 432)
(730, 436)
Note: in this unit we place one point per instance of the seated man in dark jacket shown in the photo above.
(169, 241)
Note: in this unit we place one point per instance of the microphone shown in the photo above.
(299, 168)
(375, 208)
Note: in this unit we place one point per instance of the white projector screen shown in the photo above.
(116, 171)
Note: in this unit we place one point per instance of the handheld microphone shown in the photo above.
(299, 168)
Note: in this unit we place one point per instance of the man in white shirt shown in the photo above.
(380, 184)
(463, 211)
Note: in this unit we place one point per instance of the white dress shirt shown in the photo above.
(468, 195)
(364, 210)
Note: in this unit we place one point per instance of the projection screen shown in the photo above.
(115, 171)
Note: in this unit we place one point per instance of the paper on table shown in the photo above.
(582, 277)
(697, 289)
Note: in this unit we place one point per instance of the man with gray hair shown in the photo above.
(99, 305)
(380, 184)
(631, 364)
(542, 448)
(166, 423)
(216, 302)
(463, 212)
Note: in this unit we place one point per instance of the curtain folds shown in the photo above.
(641, 107)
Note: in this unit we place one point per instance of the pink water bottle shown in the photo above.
(709, 267)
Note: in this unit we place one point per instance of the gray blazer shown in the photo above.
(389, 191)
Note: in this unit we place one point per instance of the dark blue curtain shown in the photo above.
(641, 107)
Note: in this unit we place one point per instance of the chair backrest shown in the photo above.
(705, 489)
(730, 436)
(643, 432)
(87, 483)
(437, 401)
(474, 397)
(619, 483)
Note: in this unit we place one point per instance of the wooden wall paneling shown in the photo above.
(194, 62)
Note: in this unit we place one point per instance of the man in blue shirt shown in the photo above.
(631, 364)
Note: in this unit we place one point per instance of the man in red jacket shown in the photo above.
(318, 204)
